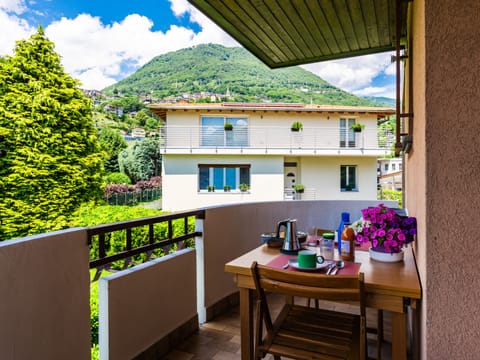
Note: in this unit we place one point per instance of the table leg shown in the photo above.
(246, 323)
(399, 336)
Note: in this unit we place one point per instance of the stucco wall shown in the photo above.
(180, 181)
(42, 316)
(444, 174)
(323, 174)
(136, 306)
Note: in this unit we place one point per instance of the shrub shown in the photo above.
(117, 178)
(391, 195)
(91, 215)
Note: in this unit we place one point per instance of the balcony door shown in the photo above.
(347, 135)
(214, 133)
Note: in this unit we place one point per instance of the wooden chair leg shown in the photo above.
(379, 332)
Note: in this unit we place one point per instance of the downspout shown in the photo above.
(398, 29)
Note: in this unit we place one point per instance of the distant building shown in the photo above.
(327, 157)
(389, 172)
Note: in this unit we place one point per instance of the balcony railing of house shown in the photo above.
(265, 138)
(124, 244)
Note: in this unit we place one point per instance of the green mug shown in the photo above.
(309, 259)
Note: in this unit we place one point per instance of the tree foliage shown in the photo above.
(112, 142)
(141, 160)
(215, 69)
(50, 161)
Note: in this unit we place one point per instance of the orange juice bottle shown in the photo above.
(348, 244)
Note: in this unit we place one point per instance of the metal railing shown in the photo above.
(136, 241)
(261, 137)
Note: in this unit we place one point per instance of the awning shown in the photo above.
(291, 32)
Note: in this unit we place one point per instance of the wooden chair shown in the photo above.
(302, 332)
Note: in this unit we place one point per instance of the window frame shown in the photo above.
(347, 175)
(215, 135)
(347, 134)
(242, 175)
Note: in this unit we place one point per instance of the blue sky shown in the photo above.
(103, 41)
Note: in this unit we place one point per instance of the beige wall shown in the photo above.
(180, 181)
(141, 305)
(42, 316)
(320, 175)
(443, 174)
(323, 175)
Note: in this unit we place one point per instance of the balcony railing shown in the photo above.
(45, 287)
(271, 138)
(125, 240)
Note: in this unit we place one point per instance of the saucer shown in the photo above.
(294, 264)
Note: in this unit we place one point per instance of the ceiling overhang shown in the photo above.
(292, 32)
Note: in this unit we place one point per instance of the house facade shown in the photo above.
(390, 173)
(236, 152)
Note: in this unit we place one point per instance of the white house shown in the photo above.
(327, 156)
(390, 173)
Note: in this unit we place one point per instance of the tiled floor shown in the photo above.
(220, 339)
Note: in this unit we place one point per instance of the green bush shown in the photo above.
(391, 195)
(117, 178)
(91, 215)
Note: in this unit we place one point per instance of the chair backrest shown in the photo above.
(309, 285)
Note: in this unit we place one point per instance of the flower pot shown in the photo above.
(379, 254)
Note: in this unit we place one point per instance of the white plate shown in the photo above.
(294, 264)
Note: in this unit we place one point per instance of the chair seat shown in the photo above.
(301, 332)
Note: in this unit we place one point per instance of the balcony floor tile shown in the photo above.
(219, 339)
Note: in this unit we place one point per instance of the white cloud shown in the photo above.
(12, 29)
(13, 6)
(353, 74)
(384, 91)
(100, 54)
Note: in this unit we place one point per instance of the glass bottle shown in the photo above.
(344, 219)
(347, 243)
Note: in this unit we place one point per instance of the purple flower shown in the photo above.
(383, 227)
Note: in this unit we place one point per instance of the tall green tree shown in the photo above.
(50, 160)
(141, 159)
(112, 142)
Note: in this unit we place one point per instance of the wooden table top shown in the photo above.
(395, 279)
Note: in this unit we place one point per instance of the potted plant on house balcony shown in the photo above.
(210, 188)
(299, 188)
(228, 127)
(227, 188)
(243, 187)
(357, 127)
(296, 126)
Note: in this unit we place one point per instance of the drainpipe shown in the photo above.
(398, 9)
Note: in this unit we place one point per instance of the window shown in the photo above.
(348, 178)
(214, 133)
(347, 135)
(394, 166)
(386, 166)
(223, 175)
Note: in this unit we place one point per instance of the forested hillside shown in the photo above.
(205, 70)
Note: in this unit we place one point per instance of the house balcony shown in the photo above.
(146, 310)
(258, 140)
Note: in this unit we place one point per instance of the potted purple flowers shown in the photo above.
(387, 232)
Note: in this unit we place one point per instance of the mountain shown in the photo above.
(381, 101)
(214, 69)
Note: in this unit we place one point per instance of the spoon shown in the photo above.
(338, 265)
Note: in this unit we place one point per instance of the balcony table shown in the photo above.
(388, 286)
